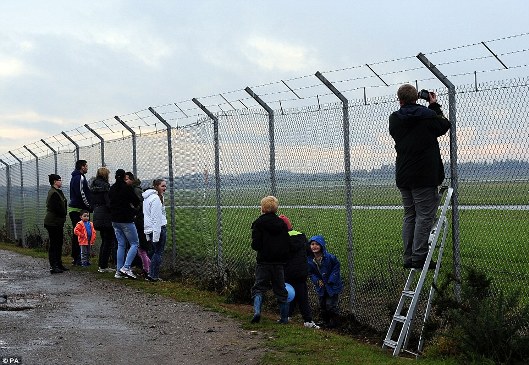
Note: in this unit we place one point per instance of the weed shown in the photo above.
(482, 327)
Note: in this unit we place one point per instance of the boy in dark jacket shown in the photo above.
(296, 273)
(271, 241)
(324, 271)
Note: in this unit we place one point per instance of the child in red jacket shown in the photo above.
(86, 234)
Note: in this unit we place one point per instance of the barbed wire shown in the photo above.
(298, 89)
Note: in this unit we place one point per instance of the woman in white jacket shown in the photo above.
(155, 225)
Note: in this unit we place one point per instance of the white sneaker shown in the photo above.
(311, 324)
(108, 269)
(119, 275)
(127, 272)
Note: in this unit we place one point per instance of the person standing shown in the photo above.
(102, 219)
(79, 200)
(86, 234)
(144, 245)
(418, 169)
(296, 273)
(56, 208)
(122, 202)
(155, 225)
(271, 241)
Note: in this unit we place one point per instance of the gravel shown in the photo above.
(80, 318)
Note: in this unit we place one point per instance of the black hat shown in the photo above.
(120, 174)
(53, 177)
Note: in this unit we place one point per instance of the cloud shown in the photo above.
(275, 55)
(11, 67)
(149, 50)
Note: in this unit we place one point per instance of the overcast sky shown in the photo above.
(67, 63)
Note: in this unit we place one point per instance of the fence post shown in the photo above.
(220, 259)
(454, 181)
(9, 213)
(133, 134)
(74, 143)
(102, 143)
(348, 188)
(271, 122)
(171, 181)
(37, 212)
(22, 240)
(54, 154)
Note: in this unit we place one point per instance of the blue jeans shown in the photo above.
(420, 206)
(159, 248)
(125, 232)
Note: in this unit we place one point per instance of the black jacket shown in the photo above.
(296, 267)
(123, 199)
(101, 203)
(55, 208)
(270, 239)
(415, 129)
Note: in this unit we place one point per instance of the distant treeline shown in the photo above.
(505, 170)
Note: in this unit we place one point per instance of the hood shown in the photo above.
(99, 185)
(273, 225)
(414, 112)
(147, 193)
(320, 240)
(76, 173)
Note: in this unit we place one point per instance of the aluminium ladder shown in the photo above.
(403, 316)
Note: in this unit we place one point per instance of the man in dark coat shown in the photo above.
(79, 201)
(419, 169)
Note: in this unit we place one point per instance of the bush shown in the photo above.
(34, 239)
(482, 327)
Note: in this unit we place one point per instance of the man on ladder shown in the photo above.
(419, 172)
(419, 168)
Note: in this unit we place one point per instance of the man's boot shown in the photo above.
(283, 311)
(257, 302)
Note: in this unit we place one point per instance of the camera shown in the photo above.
(424, 94)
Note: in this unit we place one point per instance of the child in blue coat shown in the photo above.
(324, 272)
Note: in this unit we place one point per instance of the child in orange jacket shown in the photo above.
(86, 234)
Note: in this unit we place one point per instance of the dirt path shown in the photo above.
(78, 318)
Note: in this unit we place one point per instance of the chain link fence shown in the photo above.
(216, 194)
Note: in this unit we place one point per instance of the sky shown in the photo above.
(67, 63)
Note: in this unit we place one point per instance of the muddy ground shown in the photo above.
(79, 318)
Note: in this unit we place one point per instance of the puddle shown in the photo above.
(20, 301)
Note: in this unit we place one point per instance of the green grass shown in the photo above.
(292, 344)
(492, 240)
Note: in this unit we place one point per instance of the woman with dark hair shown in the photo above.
(102, 219)
(144, 246)
(54, 223)
(155, 223)
(122, 212)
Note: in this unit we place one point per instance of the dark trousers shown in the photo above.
(328, 306)
(76, 250)
(420, 206)
(56, 235)
(301, 299)
(270, 275)
(108, 246)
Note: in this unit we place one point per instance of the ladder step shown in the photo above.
(390, 343)
(408, 293)
(400, 319)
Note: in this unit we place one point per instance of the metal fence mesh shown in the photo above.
(213, 213)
